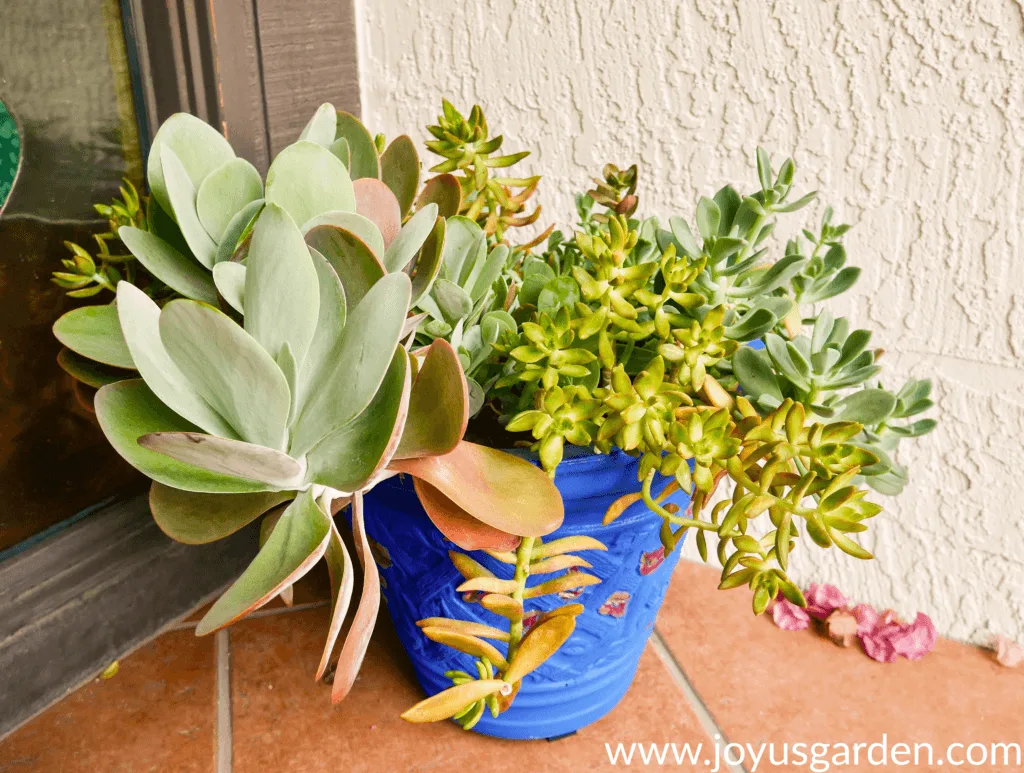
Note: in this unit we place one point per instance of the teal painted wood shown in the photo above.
(588, 676)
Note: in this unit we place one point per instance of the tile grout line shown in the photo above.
(223, 758)
(700, 708)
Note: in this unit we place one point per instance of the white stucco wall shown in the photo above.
(907, 114)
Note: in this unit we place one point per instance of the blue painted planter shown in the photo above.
(589, 675)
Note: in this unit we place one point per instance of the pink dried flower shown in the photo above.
(841, 627)
(891, 637)
(867, 618)
(822, 600)
(788, 616)
(1008, 652)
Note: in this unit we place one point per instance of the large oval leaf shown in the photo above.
(330, 322)
(239, 225)
(198, 519)
(465, 244)
(438, 405)
(358, 639)
(350, 456)
(428, 265)
(182, 193)
(95, 332)
(459, 526)
(228, 457)
(229, 279)
(140, 320)
(357, 364)
(179, 272)
(307, 180)
(321, 127)
(443, 190)
(500, 489)
(90, 372)
(229, 370)
(352, 222)
(199, 147)
(298, 541)
(224, 193)
(362, 152)
(282, 294)
(128, 410)
(352, 259)
(400, 170)
(404, 248)
(376, 202)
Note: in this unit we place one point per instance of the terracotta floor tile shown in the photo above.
(156, 715)
(284, 722)
(763, 684)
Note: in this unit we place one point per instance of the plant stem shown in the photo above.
(524, 553)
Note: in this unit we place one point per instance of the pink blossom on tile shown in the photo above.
(822, 600)
(891, 638)
(788, 616)
(1008, 652)
(841, 627)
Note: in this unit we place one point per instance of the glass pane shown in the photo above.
(64, 76)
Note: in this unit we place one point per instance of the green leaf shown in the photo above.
(330, 323)
(199, 147)
(452, 300)
(486, 271)
(404, 248)
(350, 456)
(298, 541)
(465, 244)
(438, 405)
(684, 236)
(866, 406)
(229, 369)
(848, 546)
(357, 363)
(560, 291)
(128, 410)
(307, 180)
(708, 217)
(753, 324)
(350, 257)
(239, 225)
(95, 333)
(321, 127)
(764, 169)
(340, 149)
(228, 457)
(229, 279)
(198, 519)
(754, 370)
(400, 170)
(376, 202)
(428, 266)
(224, 193)
(140, 321)
(182, 193)
(179, 272)
(364, 161)
(90, 372)
(281, 288)
(352, 222)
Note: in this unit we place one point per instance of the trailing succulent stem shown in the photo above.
(530, 639)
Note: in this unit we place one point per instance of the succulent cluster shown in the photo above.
(687, 349)
(278, 376)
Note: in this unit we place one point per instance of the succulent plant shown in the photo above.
(654, 351)
(300, 392)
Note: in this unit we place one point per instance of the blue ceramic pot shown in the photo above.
(588, 676)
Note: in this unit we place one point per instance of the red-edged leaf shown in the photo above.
(354, 262)
(499, 489)
(358, 639)
(298, 541)
(443, 190)
(376, 202)
(427, 265)
(438, 405)
(459, 526)
(339, 564)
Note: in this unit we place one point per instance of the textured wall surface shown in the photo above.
(906, 114)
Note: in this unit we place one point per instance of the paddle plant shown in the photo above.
(687, 348)
(278, 378)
